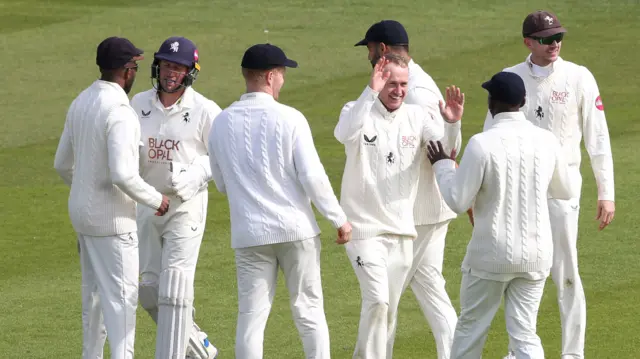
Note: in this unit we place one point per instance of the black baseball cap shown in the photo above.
(114, 52)
(541, 24)
(266, 57)
(389, 32)
(506, 87)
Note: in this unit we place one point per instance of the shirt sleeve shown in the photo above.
(596, 136)
(429, 99)
(123, 141)
(353, 115)
(216, 172)
(312, 175)
(211, 113)
(64, 161)
(432, 129)
(459, 187)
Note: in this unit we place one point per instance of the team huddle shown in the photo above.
(139, 171)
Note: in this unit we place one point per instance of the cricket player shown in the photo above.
(97, 157)
(263, 158)
(175, 121)
(564, 98)
(506, 173)
(383, 139)
(431, 214)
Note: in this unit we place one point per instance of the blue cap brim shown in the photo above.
(170, 58)
(362, 42)
(290, 63)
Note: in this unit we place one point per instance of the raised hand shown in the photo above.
(379, 75)
(454, 107)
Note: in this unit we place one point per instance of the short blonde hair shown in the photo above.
(397, 59)
(258, 74)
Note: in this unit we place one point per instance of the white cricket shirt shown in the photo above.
(567, 102)
(175, 134)
(380, 179)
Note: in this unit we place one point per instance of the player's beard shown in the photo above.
(375, 58)
(128, 83)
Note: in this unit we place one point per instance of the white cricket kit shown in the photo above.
(564, 98)
(432, 216)
(175, 141)
(506, 173)
(379, 186)
(98, 157)
(263, 158)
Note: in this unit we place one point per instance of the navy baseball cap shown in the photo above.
(265, 57)
(506, 87)
(179, 50)
(114, 52)
(389, 32)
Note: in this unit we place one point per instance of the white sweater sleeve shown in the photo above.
(432, 128)
(216, 173)
(211, 112)
(123, 140)
(353, 115)
(596, 136)
(63, 162)
(560, 186)
(313, 177)
(460, 186)
(429, 99)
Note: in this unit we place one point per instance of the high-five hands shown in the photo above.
(379, 75)
(344, 233)
(436, 153)
(454, 107)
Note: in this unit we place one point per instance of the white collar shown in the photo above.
(258, 95)
(386, 114)
(552, 67)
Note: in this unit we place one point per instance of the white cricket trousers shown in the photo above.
(381, 265)
(169, 250)
(109, 268)
(480, 300)
(257, 271)
(564, 272)
(428, 285)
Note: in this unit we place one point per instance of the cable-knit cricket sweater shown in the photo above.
(567, 102)
(98, 157)
(380, 179)
(430, 208)
(506, 173)
(263, 157)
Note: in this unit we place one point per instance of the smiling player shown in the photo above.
(175, 122)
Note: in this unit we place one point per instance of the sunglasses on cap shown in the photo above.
(549, 39)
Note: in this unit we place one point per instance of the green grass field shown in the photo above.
(48, 57)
